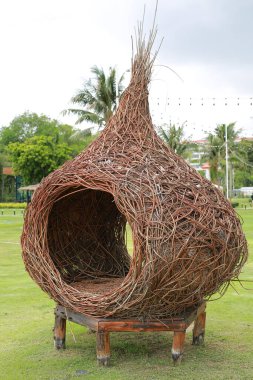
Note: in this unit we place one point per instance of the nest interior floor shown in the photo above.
(100, 286)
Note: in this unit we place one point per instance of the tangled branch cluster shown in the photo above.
(188, 241)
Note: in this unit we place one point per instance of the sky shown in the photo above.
(48, 47)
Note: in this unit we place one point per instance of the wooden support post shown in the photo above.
(59, 332)
(103, 348)
(199, 329)
(178, 346)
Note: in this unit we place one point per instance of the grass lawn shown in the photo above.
(26, 321)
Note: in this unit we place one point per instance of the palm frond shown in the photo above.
(97, 97)
(84, 115)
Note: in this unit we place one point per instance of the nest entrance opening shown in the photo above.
(87, 240)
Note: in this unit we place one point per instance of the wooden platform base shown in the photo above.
(103, 327)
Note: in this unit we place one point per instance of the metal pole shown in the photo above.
(2, 188)
(226, 142)
(116, 90)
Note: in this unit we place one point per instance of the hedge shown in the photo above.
(13, 205)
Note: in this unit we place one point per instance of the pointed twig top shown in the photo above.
(143, 59)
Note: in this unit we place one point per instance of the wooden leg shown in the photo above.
(199, 329)
(103, 348)
(59, 332)
(178, 346)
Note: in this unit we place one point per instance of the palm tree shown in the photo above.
(232, 134)
(216, 149)
(174, 137)
(213, 155)
(97, 98)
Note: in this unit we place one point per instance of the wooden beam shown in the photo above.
(79, 318)
(137, 326)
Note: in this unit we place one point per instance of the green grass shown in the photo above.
(26, 321)
(243, 202)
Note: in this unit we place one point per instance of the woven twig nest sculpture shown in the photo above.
(188, 241)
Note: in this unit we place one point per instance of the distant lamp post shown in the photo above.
(226, 144)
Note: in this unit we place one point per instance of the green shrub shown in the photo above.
(235, 204)
(13, 205)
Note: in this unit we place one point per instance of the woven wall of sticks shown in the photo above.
(188, 241)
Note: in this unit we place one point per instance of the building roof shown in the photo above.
(7, 170)
(206, 165)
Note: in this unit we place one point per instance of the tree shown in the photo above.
(37, 156)
(213, 155)
(97, 99)
(215, 150)
(34, 145)
(174, 138)
(28, 125)
(243, 155)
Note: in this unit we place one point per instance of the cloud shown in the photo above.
(210, 31)
(48, 47)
